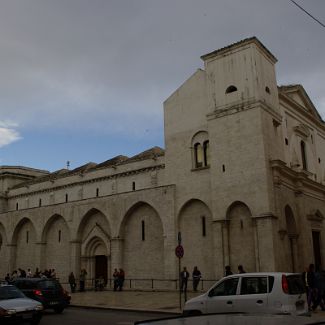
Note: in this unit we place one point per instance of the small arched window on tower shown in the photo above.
(231, 89)
(198, 154)
(206, 153)
(303, 155)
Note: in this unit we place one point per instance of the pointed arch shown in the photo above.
(143, 241)
(241, 236)
(24, 239)
(50, 222)
(195, 224)
(93, 217)
(56, 246)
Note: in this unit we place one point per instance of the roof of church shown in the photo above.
(148, 154)
(299, 88)
(253, 39)
(118, 160)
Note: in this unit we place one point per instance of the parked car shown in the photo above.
(235, 319)
(49, 292)
(270, 293)
(16, 308)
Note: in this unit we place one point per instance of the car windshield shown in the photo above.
(10, 292)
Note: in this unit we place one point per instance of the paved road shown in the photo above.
(80, 316)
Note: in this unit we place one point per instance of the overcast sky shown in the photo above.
(85, 80)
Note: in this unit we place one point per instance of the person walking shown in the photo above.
(72, 282)
(82, 279)
(115, 279)
(241, 269)
(228, 270)
(196, 275)
(121, 278)
(184, 275)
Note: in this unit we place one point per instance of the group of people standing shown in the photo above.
(228, 271)
(314, 281)
(21, 273)
(184, 276)
(118, 278)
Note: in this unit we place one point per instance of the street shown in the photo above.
(81, 316)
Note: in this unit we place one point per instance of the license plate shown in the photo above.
(53, 302)
(26, 315)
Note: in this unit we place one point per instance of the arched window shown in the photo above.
(198, 154)
(206, 153)
(303, 155)
(231, 89)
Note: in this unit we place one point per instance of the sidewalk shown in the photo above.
(151, 301)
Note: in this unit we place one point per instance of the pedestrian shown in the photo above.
(196, 275)
(7, 278)
(319, 290)
(241, 269)
(115, 279)
(37, 273)
(228, 270)
(121, 278)
(184, 275)
(29, 273)
(82, 279)
(311, 286)
(72, 282)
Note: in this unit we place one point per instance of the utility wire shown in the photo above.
(310, 15)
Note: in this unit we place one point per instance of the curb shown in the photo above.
(155, 311)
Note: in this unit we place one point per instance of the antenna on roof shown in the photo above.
(68, 164)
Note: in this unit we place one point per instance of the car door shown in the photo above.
(222, 298)
(253, 295)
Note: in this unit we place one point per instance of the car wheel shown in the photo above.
(58, 310)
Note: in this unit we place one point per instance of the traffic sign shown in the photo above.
(179, 251)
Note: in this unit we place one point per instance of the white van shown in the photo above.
(271, 293)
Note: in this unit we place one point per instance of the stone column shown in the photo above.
(116, 253)
(265, 242)
(226, 248)
(11, 256)
(75, 257)
(40, 255)
(218, 248)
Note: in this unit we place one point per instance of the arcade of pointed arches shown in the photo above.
(95, 246)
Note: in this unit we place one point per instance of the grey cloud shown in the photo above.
(103, 64)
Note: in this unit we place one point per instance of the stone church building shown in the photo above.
(242, 177)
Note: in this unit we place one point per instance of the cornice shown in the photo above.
(299, 179)
(297, 107)
(93, 180)
(241, 106)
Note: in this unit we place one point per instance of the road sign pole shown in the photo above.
(179, 277)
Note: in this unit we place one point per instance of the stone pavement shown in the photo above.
(161, 301)
(151, 301)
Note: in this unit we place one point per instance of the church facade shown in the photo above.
(241, 178)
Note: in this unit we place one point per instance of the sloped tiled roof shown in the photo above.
(237, 44)
(148, 154)
(118, 160)
(112, 162)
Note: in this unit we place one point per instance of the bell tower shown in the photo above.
(241, 74)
